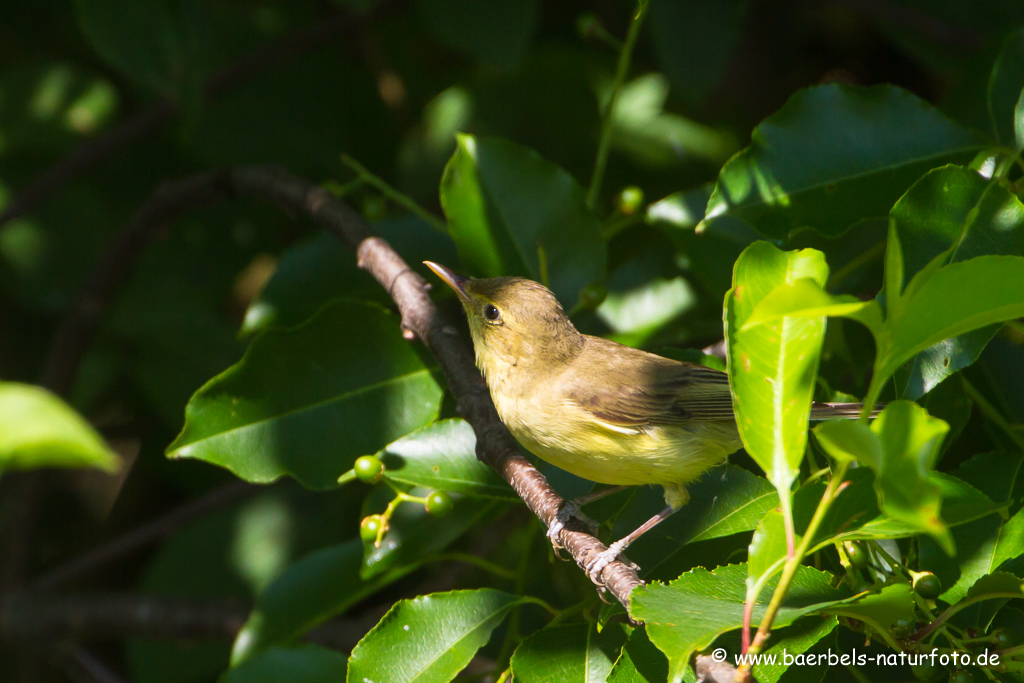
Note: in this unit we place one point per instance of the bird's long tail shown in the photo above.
(829, 411)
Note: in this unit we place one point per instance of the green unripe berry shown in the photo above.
(924, 672)
(439, 503)
(631, 200)
(369, 528)
(927, 585)
(369, 469)
(1003, 638)
(901, 628)
(961, 676)
(857, 554)
(588, 24)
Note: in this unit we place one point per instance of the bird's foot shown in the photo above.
(595, 566)
(569, 510)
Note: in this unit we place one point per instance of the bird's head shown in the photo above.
(513, 321)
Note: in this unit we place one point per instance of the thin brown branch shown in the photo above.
(409, 291)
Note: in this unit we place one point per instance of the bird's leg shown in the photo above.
(594, 567)
(571, 509)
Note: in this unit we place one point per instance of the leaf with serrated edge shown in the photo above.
(577, 652)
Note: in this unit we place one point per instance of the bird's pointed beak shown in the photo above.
(451, 278)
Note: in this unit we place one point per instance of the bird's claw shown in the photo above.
(595, 566)
(569, 510)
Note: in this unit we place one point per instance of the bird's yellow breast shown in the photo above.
(568, 436)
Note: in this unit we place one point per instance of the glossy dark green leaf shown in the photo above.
(322, 269)
(689, 613)
(908, 442)
(834, 155)
(694, 40)
(429, 638)
(415, 534)
(953, 300)
(640, 661)
(443, 456)
(772, 367)
(988, 545)
(855, 513)
(997, 474)
(879, 609)
(307, 401)
(307, 593)
(498, 32)
(37, 429)
(513, 213)
(307, 664)
(722, 503)
(1004, 90)
(577, 652)
(955, 210)
(142, 39)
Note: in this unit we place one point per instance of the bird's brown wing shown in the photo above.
(627, 387)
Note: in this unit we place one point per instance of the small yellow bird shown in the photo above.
(600, 410)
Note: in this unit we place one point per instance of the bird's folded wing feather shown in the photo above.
(637, 388)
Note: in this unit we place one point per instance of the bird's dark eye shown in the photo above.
(491, 313)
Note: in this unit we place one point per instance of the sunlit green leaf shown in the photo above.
(443, 456)
(689, 613)
(513, 213)
(767, 548)
(306, 664)
(577, 652)
(37, 429)
(772, 367)
(307, 401)
(429, 638)
(834, 155)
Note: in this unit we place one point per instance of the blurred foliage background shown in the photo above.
(119, 96)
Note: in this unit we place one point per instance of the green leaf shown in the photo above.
(306, 664)
(794, 640)
(443, 456)
(689, 613)
(577, 652)
(37, 429)
(834, 155)
(879, 610)
(1018, 121)
(805, 297)
(642, 128)
(513, 213)
(772, 368)
(984, 547)
(767, 548)
(143, 40)
(957, 211)
(997, 474)
(951, 301)
(307, 593)
(322, 269)
(694, 40)
(910, 440)
(640, 661)
(848, 441)
(1004, 90)
(724, 502)
(498, 32)
(855, 513)
(307, 401)
(430, 638)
